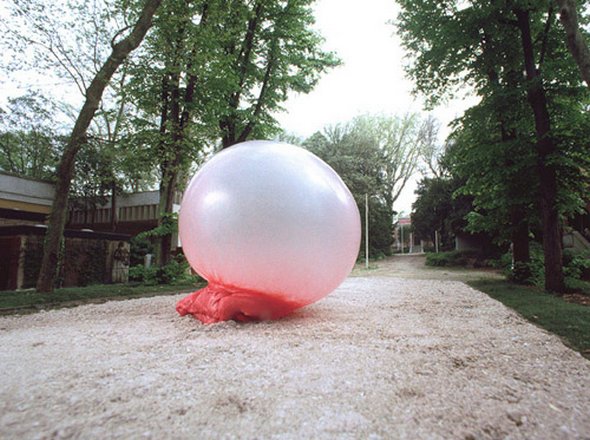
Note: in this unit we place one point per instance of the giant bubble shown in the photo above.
(271, 227)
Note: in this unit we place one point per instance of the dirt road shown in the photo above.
(413, 267)
(380, 358)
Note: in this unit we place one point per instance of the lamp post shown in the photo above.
(366, 230)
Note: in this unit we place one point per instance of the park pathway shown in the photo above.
(413, 267)
(380, 358)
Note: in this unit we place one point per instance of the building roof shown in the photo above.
(25, 193)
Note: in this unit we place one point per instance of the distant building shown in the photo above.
(135, 213)
(90, 238)
(404, 240)
(24, 201)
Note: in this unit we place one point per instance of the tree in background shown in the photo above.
(375, 156)
(431, 152)
(438, 208)
(29, 143)
(270, 50)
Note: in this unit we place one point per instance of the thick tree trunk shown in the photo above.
(77, 138)
(552, 237)
(576, 43)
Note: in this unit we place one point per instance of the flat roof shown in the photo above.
(25, 193)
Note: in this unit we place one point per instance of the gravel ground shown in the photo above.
(381, 357)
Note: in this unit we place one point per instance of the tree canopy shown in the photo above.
(515, 151)
(375, 155)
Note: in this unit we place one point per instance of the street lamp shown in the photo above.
(366, 230)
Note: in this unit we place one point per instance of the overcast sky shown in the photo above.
(371, 80)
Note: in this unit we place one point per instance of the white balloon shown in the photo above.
(270, 218)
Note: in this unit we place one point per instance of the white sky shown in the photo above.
(371, 80)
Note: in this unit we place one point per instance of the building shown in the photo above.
(135, 213)
(24, 201)
(24, 206)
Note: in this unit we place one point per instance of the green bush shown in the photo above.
(577, 265)
(143, 275)
(520, 273)
(532, 273)
(467, 258)
(175, 272)
(140, 246)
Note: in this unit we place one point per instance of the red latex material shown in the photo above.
(216, 303)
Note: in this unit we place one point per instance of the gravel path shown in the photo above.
(381, 357)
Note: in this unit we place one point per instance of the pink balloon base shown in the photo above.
(215, 303)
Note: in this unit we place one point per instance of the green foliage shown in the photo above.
(576, 268)
(497, 147)
(168, 225)
(465, 258)
(32, 263)
(373, 155)
(144, 275)
(139, 248)
(438, 208)
(531, 273)
(29, 144)
(577, 265)
(175, 272)
(568, 320)
(93, 255)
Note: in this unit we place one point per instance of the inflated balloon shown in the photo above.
(271, 227)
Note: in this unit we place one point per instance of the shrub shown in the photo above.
(577, 265)
(456, 258)
(143, 275)
(140, 246)
(520, 273)
(175, 272)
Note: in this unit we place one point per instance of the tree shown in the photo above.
(438, 208)
(454, 44)
(546, 148)
(431, 151)
(57, 217)
(220, 69)
(575, 40)
(375, 156)
(172, 68)
(29, 143)
(271, 50)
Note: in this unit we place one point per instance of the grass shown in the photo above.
(16, 300)
(580, 286)
(568, 320)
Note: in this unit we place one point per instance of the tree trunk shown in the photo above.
(167, 192)
(77, 138)
(552, 237)
(575, 40)
(520, 235)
